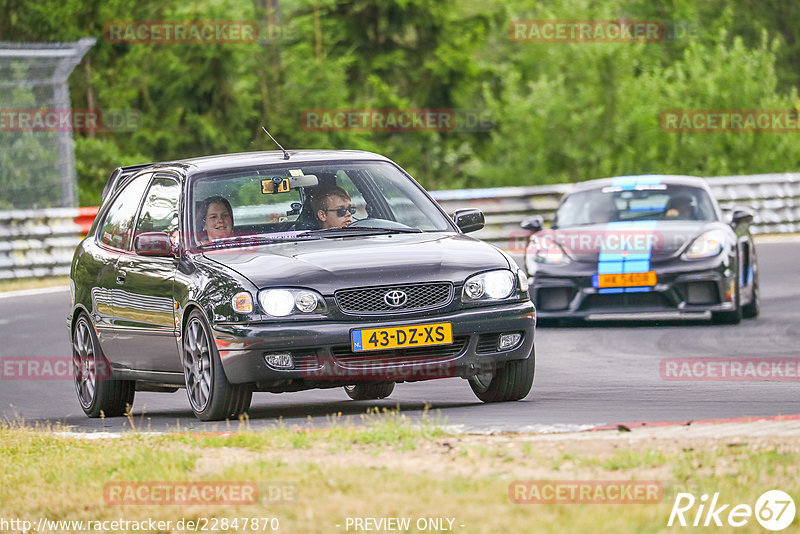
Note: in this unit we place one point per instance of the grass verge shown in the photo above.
(386, 467)
(33, 283)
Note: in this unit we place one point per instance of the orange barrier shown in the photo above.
(85, 218)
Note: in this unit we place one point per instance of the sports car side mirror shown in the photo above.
(469, 219)
(741, 215)
(534, 224)
(153, 244)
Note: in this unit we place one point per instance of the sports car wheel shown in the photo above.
(98, 394)
(510, 383)
(730, 317)
(752, 308)
(369, 391)
(211, 396)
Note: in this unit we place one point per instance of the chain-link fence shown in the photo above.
(37, 156)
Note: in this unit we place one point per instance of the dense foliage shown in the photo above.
(560, 112)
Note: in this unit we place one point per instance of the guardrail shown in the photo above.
(39, 243)
(774, 197)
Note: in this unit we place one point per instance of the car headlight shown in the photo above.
(546, 250)
(494, 285)
(285, 302)
(706, 245)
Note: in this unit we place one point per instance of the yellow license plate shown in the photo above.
(402, 337)
(627, 279)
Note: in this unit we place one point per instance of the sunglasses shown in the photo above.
(342, 212)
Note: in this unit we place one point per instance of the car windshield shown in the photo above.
(309, 200)
(647, 202)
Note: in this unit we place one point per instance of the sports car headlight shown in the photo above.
(494, 285)
(285, 302)
(705, 245)
(547, 250)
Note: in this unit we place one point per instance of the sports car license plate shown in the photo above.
(627, 279)
(402, 337)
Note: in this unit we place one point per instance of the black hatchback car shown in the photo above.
(280, 272)
(630, 246)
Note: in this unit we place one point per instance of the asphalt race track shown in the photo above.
(585, 374)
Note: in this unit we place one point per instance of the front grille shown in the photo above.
(348, 358)
(305, 362)
(554, 298)
(370, 300)
(487, 343)
(703, 292)
(650, 299)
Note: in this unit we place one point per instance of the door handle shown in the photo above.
(121, 277)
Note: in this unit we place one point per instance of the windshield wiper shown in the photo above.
(347, 231)
(266, 239)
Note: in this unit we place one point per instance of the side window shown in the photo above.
(116, 229)
(160, 210)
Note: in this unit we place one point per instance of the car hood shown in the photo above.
(328, 265)
(657, 239)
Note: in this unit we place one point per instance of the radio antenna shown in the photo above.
(285, 154)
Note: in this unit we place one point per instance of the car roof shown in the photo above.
(643, 179)
(257, 159)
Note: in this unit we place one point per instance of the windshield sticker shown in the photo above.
(295, 172)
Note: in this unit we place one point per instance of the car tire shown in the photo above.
(98, 394)
(369, 391)
(752, 308)
(730, 317)
(211, 396)
(512, 382)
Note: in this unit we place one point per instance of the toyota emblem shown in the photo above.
(395, 298)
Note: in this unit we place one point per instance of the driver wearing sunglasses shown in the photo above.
(334, 208)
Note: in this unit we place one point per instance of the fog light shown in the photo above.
(279, 361)
(509, 341)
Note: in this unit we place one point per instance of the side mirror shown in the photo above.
(469, 219)
(153, 244)
(741, 215)
(534, 224)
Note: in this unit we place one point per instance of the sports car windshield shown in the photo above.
(309, 200)
(650, 202)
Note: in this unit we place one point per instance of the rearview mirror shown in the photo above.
(534, 224)
(153, 244)
(469, 219)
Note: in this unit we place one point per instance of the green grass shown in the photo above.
(33, 283)
(385, 467)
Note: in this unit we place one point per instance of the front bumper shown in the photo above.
(682, 288)
(322, 356)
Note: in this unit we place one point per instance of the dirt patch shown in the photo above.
(641, 454)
